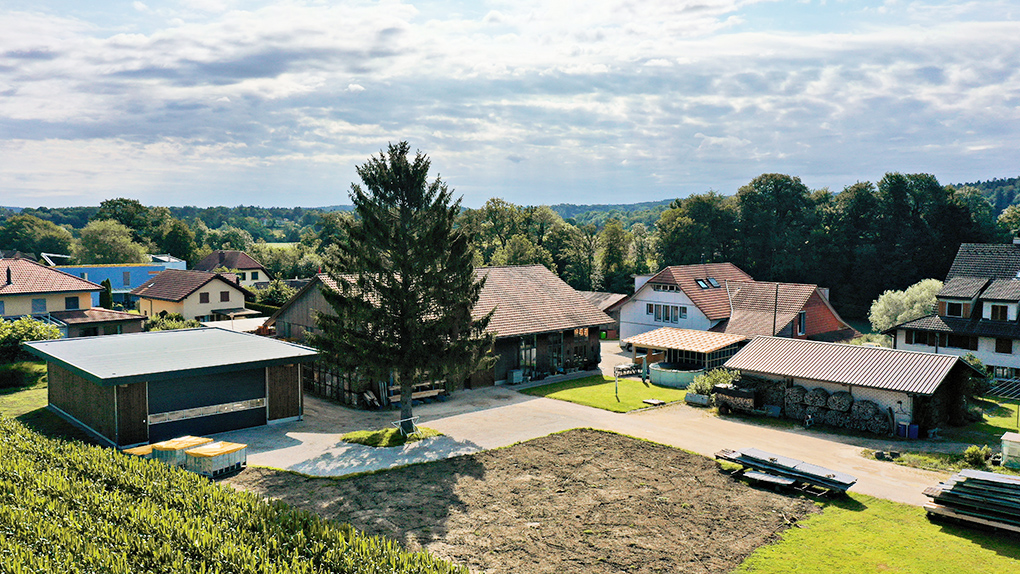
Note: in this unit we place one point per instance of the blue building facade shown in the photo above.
(123, 277)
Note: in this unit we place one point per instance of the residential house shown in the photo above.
(976, 312)
(147, 387)
(723, 298)
(542, 326)
(64, 300)
(897, 387)
(610, 304)
(198, 295)
(123, 277)
(247, 270)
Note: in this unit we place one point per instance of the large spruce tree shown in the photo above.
(405, 282)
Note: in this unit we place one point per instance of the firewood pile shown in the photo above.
(837, 409)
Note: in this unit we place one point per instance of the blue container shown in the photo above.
(901, 429)
(912, 431)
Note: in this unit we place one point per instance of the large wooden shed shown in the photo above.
(147, 387)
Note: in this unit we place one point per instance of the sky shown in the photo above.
(229, 102)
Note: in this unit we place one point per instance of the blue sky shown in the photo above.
(224, 102)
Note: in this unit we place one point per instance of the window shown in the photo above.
(701, 283)
(675, 314)
(38, 305)
(658, 313)
(669, 313)
(649, 309)
(712, 281)
(125, 278)
(962, 342)
(89, 332)
(254, 276)
(2, 311)
(583, 332)
(1000, 313)
(112, 330)
(954, 309)
(70, 303)
(683, 312)
(84, 275)
(1004, 346)
(203, 297)
(224, 296)
(908, 337)
(241, 275)
(801, 322)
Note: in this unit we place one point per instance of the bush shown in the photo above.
(704, 383)
(170, 322)
(14, 333)
(976, 456)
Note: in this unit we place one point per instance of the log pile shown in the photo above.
(838, 410)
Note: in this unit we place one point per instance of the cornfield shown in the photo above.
(72, 508)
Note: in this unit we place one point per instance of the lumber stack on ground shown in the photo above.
(980, 497)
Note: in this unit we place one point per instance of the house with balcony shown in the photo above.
(976, 310)
(195, 295)
(28, 289)
(722, 298)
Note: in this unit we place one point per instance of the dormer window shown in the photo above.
(701, 283)
(712, 281)
(1000, 313)
(954, 309)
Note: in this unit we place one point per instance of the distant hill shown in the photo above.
(330, 208)
(1001, 193)
(627, 213)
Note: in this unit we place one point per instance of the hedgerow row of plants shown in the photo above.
(73, 508)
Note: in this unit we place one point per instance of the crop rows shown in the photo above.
(69, 508)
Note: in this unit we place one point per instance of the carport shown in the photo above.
(146, 387)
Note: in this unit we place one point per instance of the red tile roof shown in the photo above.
(602, 300)
(684, 340)
(95, 315)
(176, 284)
(763, 308)
(28, 278)
(712, 301)
(531, 299)
(228, 259)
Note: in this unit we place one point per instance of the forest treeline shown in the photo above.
(859, 242)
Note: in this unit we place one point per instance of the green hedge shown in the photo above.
(266, 310)
(68, 507)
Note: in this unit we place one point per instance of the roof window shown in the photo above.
(713, 282)
(701, 283)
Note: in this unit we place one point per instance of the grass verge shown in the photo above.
(27, 403)
(599, 391)
(862, 534)
(387, 437)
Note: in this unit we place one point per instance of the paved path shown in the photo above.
(501, 416)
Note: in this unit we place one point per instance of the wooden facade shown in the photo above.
(121, 415)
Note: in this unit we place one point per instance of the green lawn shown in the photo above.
(1000, 418)
(387, 437)
(599, 392)
(27, 403)
(862, 534)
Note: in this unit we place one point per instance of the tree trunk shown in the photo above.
(406, 388)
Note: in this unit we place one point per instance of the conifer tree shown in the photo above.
(405, 282)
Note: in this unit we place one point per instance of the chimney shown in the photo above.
(9, 282)
(1016, 240)
(222, 257)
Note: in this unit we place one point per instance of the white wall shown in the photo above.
(635, 320)
(985, 352)
(986, 310)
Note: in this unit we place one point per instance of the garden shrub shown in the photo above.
(13, 333)
(976, 456)
(704, 383)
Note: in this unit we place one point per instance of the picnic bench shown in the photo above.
(627, 370)
(399, 424)
(781, 471)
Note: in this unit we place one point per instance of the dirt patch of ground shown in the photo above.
(578, 501)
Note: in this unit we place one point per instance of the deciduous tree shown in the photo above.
(107, 241)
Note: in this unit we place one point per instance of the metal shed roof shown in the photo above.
(875, 367)
(162, 355)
